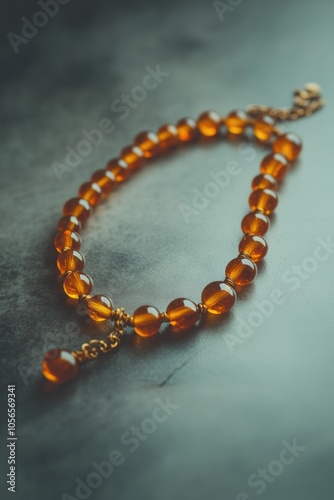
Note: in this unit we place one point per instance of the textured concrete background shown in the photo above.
(235, 407)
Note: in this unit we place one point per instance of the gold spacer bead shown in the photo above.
(164, 317)
(245, 255)
(229, 281)
(202, 307)
(83, 299)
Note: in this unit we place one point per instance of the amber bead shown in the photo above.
(254, 246)
(77, 284)
(289, 145)
(70, 260)
(242, 271)
(99, 307)
(218, 297)
(91, 192)
(264, 128)
(106, 180)
(168, 136)
(209, 123)
(133, 156)
(67, 239)
(275, 165)
(70, 223)
(263, 181)
(183, 313)
(236, 122)
(255, 223)
(59, 366)
(78, 207)
(146, 321)
(263, 200)
(148, 142)
(187, 129)
(119, 168)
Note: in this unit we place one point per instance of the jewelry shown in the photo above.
(60, 365)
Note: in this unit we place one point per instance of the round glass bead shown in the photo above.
(78, 207)
(133, 156)
(91, 192)
(263, 128)
(236, 122)
(209, 123)
(263, 181)
(219, 297)
(67, 239)
(275, 165)
(146, 321)
(105, 179)
(70, 260)
(289, 145)
(183, 313)
(70, 223)
(148, 142)
(187, 129)
(254, 246)
(255, 223)
(168, 136)
(242, 271)
(119, 168)
(263, 200)
(59, 366)
(77, 284)
(99, 307)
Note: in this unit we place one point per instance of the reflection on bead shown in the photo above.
(148, 142)
(183, 313)
(187, 129)
(255, 223)
(133, 156)
(99, 307)
(263, 128)
(263, 181)
(275, 165)
(59, 366)
(77, 284)
(146, 321)
(236, 122)
(78, 207)
(289, 145)
(119, 168)
(106, 180)
(209, 123)
(70, 260)
(218, 297)
(263, 200)
(254, 246)
(70, 223)
(241, 270)
(91, 192)
(67, 239)
(168, 136)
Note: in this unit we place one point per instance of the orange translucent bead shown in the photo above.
(146, 321)
(242, 271)
(263, 200)
(78, 207)
(187, 129)
(59, 366)
(209, 123)
(168, 136)
(183, 313)
(255, 223)
(148, 142)
(119, 168)
(99, 307)
(106, 180)
(77, 284)
(289, 145)
(236, 122)
(67, 239)
(254, 246)
(133, 156)
(70, 260)
(263, 128)
(263, 181)
(275, 165)
(70, 223)
(218, 297)
(91, 192)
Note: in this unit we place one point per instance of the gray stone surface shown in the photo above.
(235, 407)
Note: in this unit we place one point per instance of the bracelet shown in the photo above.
(60, 365)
